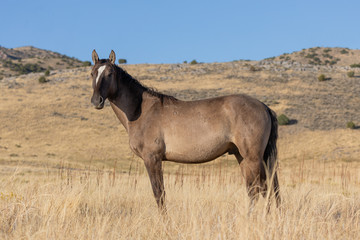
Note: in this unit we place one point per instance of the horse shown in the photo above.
(163, 128)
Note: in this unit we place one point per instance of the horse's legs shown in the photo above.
(254, 179)
(238, 156)
(154, 169)
(256, 182)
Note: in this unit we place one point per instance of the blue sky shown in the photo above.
(173, 31)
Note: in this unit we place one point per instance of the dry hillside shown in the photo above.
(54, 121)
(344, 57)
(22, 60)
(66, 170)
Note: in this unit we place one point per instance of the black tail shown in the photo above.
(270, 154)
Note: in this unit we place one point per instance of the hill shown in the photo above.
(52, 122)
(322, 56)
(28, 59)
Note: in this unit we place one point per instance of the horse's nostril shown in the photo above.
(101, 100)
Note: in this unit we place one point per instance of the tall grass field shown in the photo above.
(319, 201)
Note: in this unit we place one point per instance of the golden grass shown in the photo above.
(320, 201)
(58, 155)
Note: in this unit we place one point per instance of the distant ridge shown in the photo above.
(325, 56)
(22, 60)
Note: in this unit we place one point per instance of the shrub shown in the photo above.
(86, 63)
(252, 68)
(42, 79)
(194, 62)
(317, 60)
(23, 69)
(350, 125)
(312, 55)
(350, 74)
(321, 77)
(47, 72)
(270, 58)
(283, 119)
(344, 51)
(333, 62)
(355, 65)
(122, 61)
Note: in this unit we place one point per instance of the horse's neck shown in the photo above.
(120, 115)
(127, 104)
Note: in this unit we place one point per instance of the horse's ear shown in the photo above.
(95, 57)
(112, 57)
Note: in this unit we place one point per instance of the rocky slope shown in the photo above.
(28, 59)
(344, 57)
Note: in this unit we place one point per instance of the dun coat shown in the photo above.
(163, 128)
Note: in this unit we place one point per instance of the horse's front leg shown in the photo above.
(154, 169)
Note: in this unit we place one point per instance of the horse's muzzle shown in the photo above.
(98, 101)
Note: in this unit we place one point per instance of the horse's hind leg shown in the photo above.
(251, 172)
(255, 180)
(254, 172)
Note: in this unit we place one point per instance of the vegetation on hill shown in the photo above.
(323, 56)
(21, 68)
(29, 59)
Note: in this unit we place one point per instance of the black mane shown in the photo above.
(132, 82)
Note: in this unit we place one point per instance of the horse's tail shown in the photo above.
(270, 154)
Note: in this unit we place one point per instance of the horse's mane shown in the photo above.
(134, 83)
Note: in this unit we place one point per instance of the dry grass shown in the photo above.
(320, 201)
(58, 155)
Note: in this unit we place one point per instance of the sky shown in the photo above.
(160, 31)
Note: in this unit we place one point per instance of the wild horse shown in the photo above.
(163, 128)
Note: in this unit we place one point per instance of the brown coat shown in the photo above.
(163, 128)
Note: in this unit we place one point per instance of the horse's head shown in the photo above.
(103, 79)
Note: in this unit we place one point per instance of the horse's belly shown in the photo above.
(195, 149)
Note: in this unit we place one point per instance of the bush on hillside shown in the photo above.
(283, 119)
(122, 61)
(350, 74)
(350, 125)
(355, 65)
(252, 68)
(42, 79)
(321, 77)
(86, 63)
(193, 62)
(23, 69)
